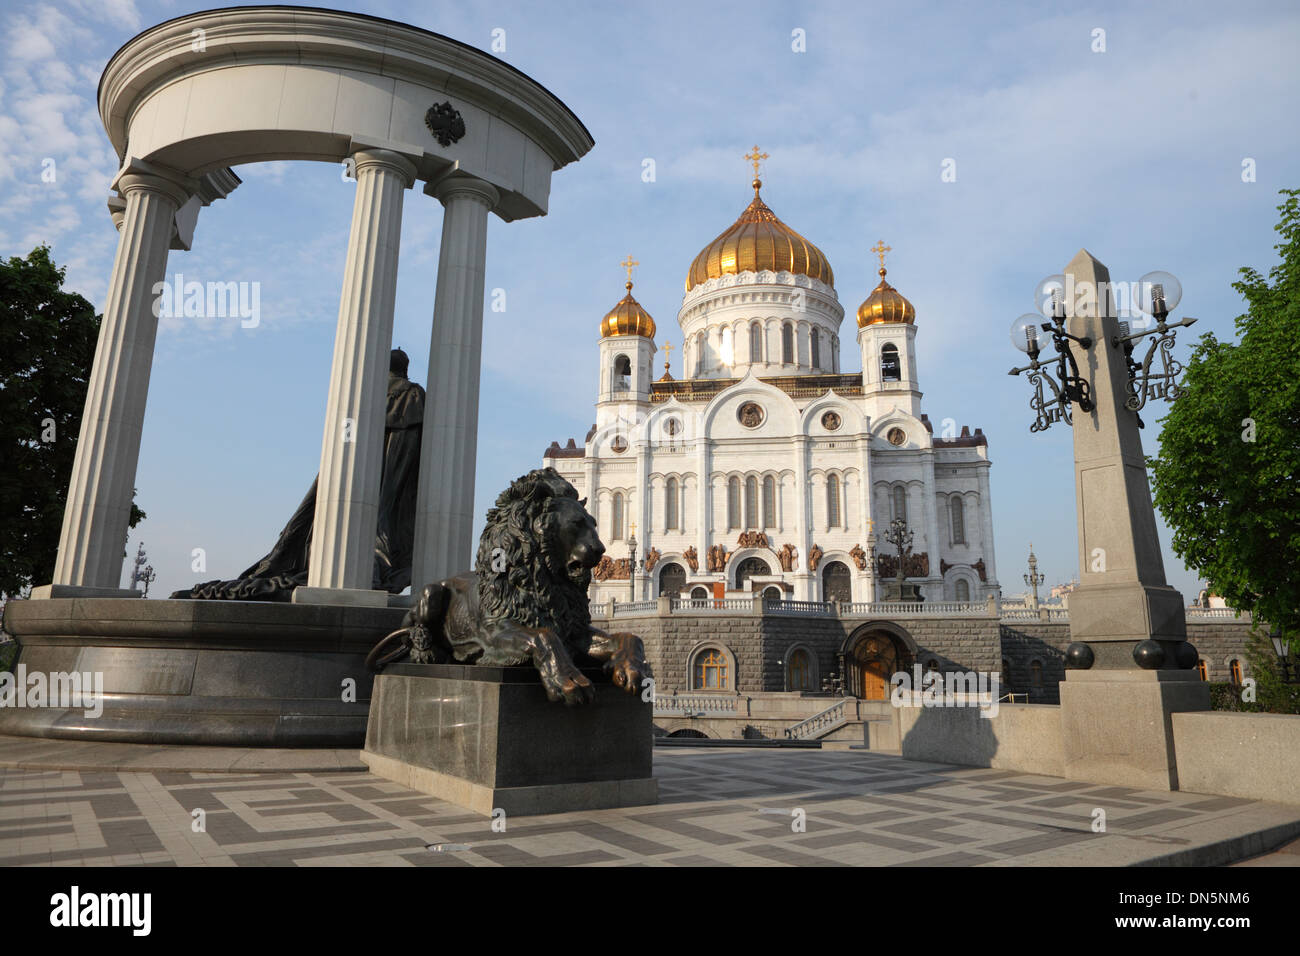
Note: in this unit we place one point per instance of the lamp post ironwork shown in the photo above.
(1031, 334)
(142, 573)
(1155, 296)
(1282, 648)
(900, 536)
(1033, 578)
(1158, 293)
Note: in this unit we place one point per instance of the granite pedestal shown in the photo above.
(228, 673)
(1117, 725)
(487, 738)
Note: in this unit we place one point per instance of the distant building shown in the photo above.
(765, 469)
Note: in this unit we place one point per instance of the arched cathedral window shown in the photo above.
(787, 344)
(616, 532)
(751, 502)
(890, 369)
(733, 503)
(833, 502)
(699, 354)
(671, 493)
(958, 509)
(769, 502)
(755, 342)
(816, 349)
(900, 502)
(622, 373)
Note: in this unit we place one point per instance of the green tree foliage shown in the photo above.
(1272, 695)
(1227, 478)
(47, 345)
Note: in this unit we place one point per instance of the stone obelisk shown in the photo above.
(1130, 666)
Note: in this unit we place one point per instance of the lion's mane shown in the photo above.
(533, 587)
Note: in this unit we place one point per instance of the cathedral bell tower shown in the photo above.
(627, 351)
(887, 338)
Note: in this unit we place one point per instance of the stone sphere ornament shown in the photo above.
(1079, 656)
(1186, 656)
(1149, 655)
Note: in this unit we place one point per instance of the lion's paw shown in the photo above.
(628, 673)
(572, 688)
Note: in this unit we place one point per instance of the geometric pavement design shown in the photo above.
(716, 808)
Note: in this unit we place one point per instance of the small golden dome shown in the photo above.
(759, 242)
(628, 318)
(885, 304)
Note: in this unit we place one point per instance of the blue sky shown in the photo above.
(1134, 153)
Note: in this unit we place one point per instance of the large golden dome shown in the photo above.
(885, 304)
(759, 242)
(628, 318)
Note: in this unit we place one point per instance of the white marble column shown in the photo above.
(341, 567)
(933, 544)
(444, 517)
(98, 509)
(870, 513)
(986, 529)
(644, 507)
(703, 502)
(803, 529)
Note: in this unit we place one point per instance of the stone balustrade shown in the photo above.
(682, 705)
(814, 726)
(863, 609)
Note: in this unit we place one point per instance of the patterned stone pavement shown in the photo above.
(717, 808)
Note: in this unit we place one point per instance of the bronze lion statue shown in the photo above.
(526, 601)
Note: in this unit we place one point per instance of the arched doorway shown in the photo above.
(837, 585)
(699, 594)
(772, 595)
(874, 659)
(672, 578)
(799, 671)
(749, 568)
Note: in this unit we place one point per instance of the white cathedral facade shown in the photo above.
(763, 468)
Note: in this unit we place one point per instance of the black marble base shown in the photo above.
(487, 738)
(228, 673)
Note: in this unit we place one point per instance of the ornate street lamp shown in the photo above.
(900, 535)
(833, 684)
(142, 573)
(1282, 648)
(1033, 578)
(1031, 334)
(1158, 294)
(631, 573)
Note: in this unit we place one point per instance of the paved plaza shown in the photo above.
(718, 807)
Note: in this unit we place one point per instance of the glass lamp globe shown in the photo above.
(1157, 285)
(1027, 329)
(1046, 290)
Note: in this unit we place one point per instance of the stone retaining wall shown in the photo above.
(759, 646)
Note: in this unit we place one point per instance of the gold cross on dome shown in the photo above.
(627, 264)
(668, 354)
(756, 157)
(880, 249)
